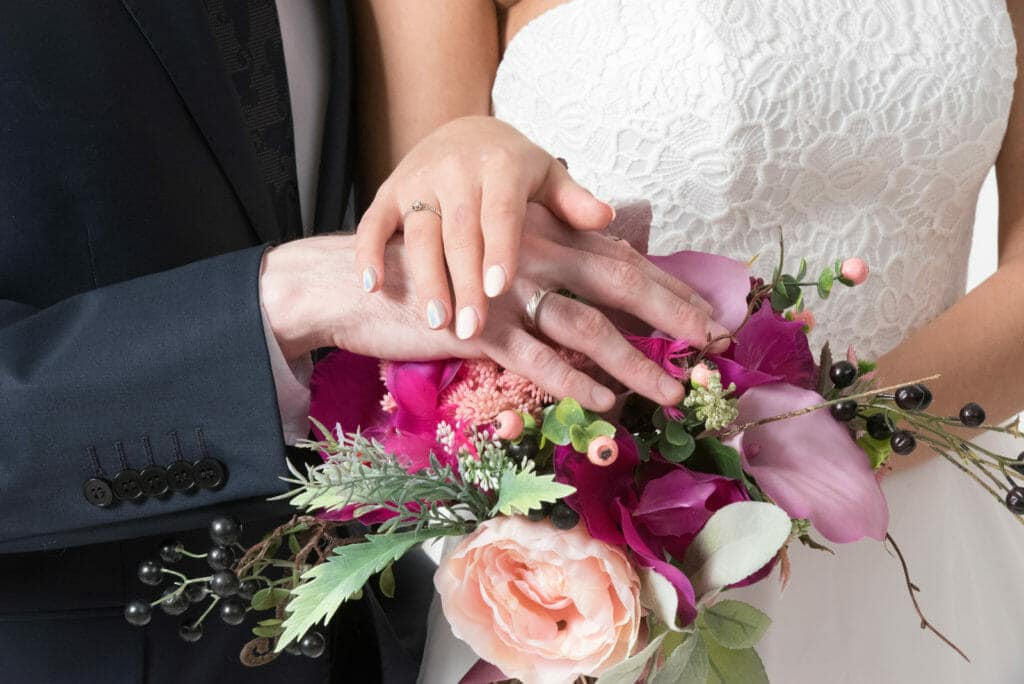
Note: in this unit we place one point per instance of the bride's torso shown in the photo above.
(861, 127)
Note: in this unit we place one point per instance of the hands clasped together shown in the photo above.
(499, 222)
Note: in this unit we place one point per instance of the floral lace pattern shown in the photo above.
(861, 128)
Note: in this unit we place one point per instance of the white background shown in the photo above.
(986, 230)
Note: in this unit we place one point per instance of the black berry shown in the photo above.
(138, 613)
(563, 517)
(902, 442)
(912, 397)
(150, 572)
(1015, 500)
(224, 583)
(232, 611)
(538, 514)
(878, 426)
(170, 551)
(972, 415)
(927, 401)
(174, 602)
(247, 588)
(196, 591)
(313, 645)
(526, 448)
(844, 410)
(220, 558)
(224, 530)
(190, 632)
(842, 374)
(293, 648)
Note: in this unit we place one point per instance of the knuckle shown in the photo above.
(501, 213)
(589, 324)
(687, 317)
(626, 276)
(500, 157)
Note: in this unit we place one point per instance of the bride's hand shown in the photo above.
(471, 179)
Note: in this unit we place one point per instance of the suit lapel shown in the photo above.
(179, 34)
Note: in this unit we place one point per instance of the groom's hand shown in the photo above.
(312, 300)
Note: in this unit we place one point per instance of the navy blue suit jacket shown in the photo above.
(133, 219)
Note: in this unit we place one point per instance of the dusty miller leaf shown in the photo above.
(630, 670)
(520, 492)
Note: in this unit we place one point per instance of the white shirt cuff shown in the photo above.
(291, 381)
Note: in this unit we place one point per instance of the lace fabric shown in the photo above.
(859, 128)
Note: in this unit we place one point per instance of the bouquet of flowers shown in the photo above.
(586, 546)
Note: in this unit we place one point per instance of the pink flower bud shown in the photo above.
(508, 425)
(700, 374)
(855, 270)
(805, 317)
(603, 451)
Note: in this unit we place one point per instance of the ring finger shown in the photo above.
(422, 228)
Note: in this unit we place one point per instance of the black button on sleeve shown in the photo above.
(127, 485)
(210, 473)
(97, 492)
(155, 481)
(181, 476)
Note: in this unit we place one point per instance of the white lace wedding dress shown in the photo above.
(863, 128)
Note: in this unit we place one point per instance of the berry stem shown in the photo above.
(189, 554)
(168, 571)
(198, 621)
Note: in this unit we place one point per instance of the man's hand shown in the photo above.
(312, 299)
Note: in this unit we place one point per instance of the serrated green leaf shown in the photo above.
(569, 412)
(687, 664)
(387, 581)
(734, 624)
(520, 492)
(675, 432)
(326, 586)
(268, 598)
(268, 632)
(728, 666)
(630, 670)
(825, 282)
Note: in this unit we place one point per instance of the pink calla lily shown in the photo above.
(722, 282)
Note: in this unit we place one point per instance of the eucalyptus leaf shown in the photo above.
(825, 282)
(600, 428)
(675, 432)
(631, 669)
(268, 598)
(687, 664)
(270, 622)
(737, 541)
(676, 453)
(802, 271)
(579, 438)
(387, 581)
(728, 666)
(569, 412)
(554, 431)
(734, 624)
(268, 632)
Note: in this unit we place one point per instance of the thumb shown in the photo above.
(570, 201)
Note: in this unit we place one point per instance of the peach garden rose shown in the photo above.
(542, 604)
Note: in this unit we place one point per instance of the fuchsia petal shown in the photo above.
(416, 388)
(663, 351)
(722, 282)
(810, 466)
(772, 345)
(743, 378)
(346, 389)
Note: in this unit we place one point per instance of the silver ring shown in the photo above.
(421, 206)
(533, 305)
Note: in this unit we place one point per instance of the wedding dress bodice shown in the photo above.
(860, 127)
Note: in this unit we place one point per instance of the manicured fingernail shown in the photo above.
(466, 323)
(670, 388)
(435, 313)
(701, 304)
(494, 281)
(602, 396)
(369, 278)
(613, 211)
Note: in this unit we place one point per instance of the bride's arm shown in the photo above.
(978, 344)
(418, 66)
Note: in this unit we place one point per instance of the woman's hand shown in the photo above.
(473, 178)
(299, 276)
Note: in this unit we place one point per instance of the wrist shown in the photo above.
(300, 292)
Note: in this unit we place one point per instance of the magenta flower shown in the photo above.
(809, 465)
(664, 351)
(345, 390)
(768, 349)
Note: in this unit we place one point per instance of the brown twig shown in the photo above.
(912, 589)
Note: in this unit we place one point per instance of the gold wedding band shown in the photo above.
(421, 206)
(533, 305)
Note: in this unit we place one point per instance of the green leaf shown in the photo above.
(520, 492)
(293, 544)
(728, 666)
(268, 632)
(675, 432)
(687, 664)
(268, 598)
(802, 271)
(738, 540)
(878, 450)
(631, 669)
(676, 453)
(569, 412)
(600, 428)
(387, 581)
(555, 431)
(659, 420)
(579, 438)
(864, 367)
(734, 624)
(270, 622)
(825, 282)
(325, 587)
(714, 457)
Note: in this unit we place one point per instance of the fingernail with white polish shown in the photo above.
(466, 323)
(369, 278)
(435, 313)
(494, 281)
